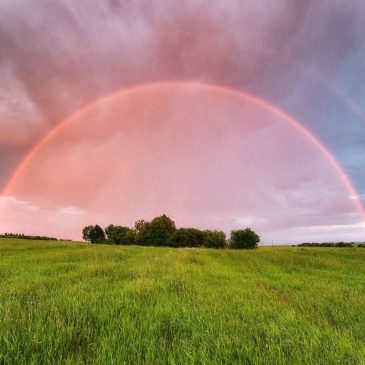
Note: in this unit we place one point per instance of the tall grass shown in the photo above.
(69, 303)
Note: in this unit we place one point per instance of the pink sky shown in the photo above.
(206, 157)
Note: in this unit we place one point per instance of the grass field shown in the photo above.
(70, 303)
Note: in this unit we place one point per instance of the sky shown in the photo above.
(223, 114)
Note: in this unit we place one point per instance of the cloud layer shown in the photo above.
(205, 156)
(304, 57)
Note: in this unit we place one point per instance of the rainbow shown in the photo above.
(208, 87)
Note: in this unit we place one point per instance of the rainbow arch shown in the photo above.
(209, 87)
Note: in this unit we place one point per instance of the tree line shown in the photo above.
(332, 244)
(23, 236)
(162, 231)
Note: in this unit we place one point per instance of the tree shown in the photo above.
(165, 222)
(86, 233)
(187, 237)
(214, 239)
(119, 235)
(155, 233)
(139, 226)
(109, 232)
(244, 239)
(94, 234)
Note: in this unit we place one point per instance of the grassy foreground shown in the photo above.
(70, 303)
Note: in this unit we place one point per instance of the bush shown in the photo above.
(214, 239)
(244, 239)
(187, 237)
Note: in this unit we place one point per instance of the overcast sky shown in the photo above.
(305, 58)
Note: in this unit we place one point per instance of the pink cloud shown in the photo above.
(207, 158)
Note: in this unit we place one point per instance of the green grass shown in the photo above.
(70, 303)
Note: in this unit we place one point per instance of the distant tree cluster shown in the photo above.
(330, 244)
(27, 237)
(162, 231)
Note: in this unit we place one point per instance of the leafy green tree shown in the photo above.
(86, 233)
(119, 235)
(155, 233)
(139, 226)
(165, 222)
(94, 234)
(214, 239)
(244, 239)
(131, 237)
(187, 237)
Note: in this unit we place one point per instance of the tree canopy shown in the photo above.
(187, 237)
(94, 234)
(155, 233)
(162, 231)
(244, 239)
(215, 239)
(120, 235)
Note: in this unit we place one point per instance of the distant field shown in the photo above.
(70, 303)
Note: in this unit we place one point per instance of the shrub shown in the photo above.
(244, 239)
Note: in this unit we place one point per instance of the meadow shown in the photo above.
(76, 303)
